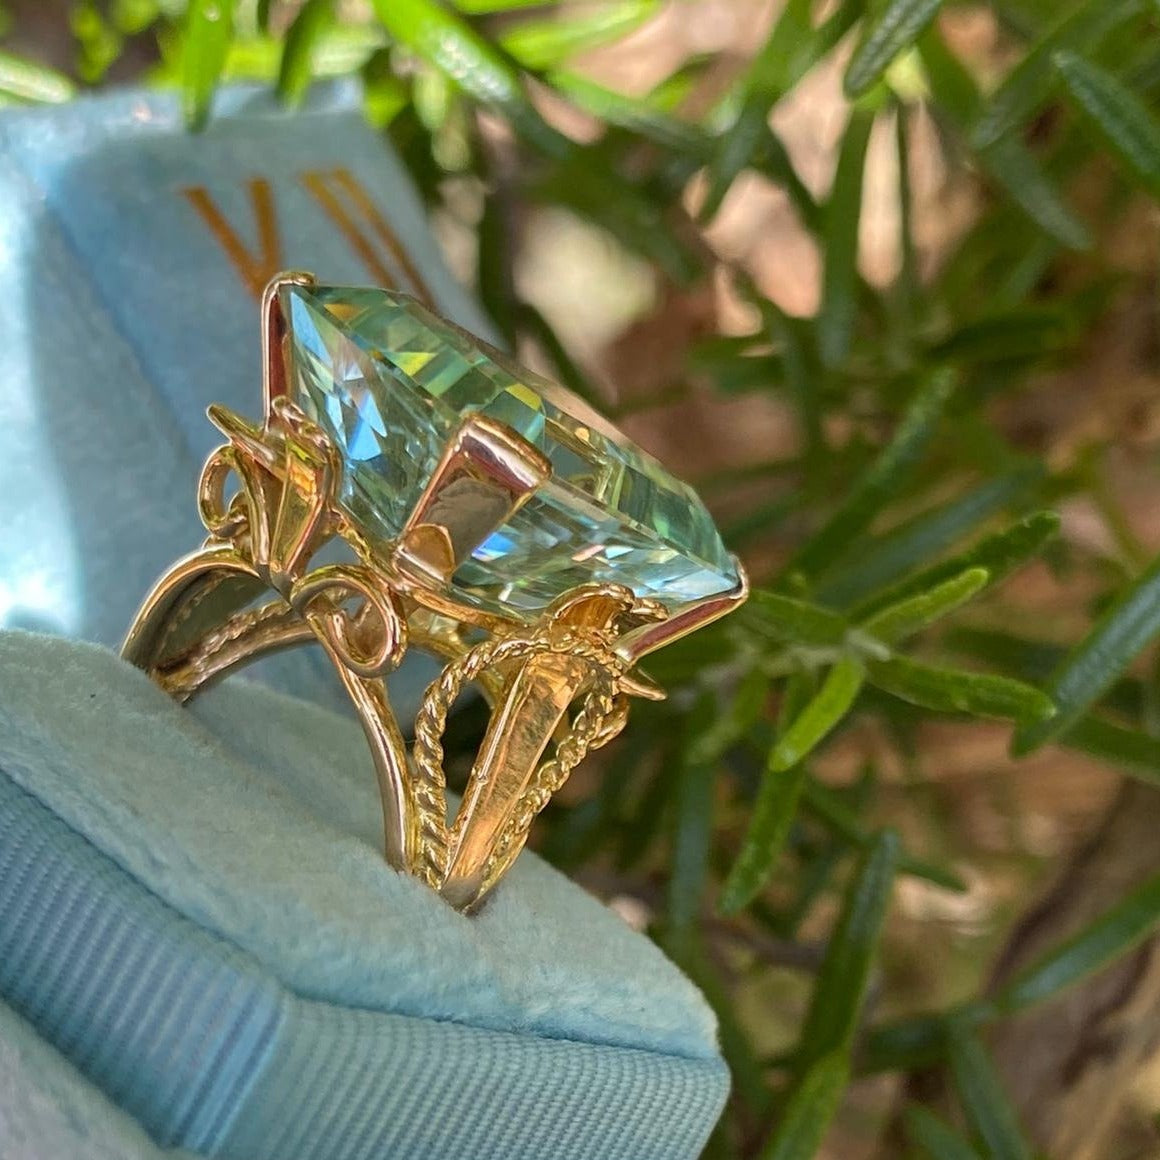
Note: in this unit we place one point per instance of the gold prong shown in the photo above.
(274, 376)
(486, 474)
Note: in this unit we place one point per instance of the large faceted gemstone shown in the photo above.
(389, 382)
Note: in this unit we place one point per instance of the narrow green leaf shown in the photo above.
(1126, 628)
(262, 15)
(773, 815)
(1132, 751)
(873, 563)
(883, 479)
(26, 81)
(785, 618)
(297, 68)
(1116, 114)
(1029, 84)
(444, 39)
(913, 614)
(1000, 554)
(548, 43)
(983, 1099)
(209, 28)
(1010, 163)
(839, 309)
(836, 1004)
(1103, 941)
(825, 710)
(908, 1044)
(828, 808)
(809, 1110)
(953, 691)
(935, 1137)
(896, 27)
(1021, 332)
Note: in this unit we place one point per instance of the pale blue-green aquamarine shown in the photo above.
(389, 382)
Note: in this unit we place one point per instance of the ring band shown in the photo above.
(460, 528)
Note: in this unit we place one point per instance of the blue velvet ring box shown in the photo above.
(200, 946)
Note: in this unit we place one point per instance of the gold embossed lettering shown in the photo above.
(255, 268)
(344, 200)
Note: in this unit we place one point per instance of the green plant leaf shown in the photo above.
(1000, 554)
(954, 691)
(883, 479)
(829, 705)
(935, 1137)
(896, 27)
(1125, 629)
(297, 68)
(984, 1102)
(773, 815)
(692, 827)
(1016, 170)
(548, 43)
(784, 618)
(914, 613)
(1020, 332)
(444, 39)
(1029, 84)
(908, 1044)
(836, 1004)
(1119, 118)
(209, 29)
(27, 81)
(873, 563)
(1113, 934)
(1132, 751)
(839, 309)
(809, 1110)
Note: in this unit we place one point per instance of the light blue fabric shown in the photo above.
(123, 318)
(194, 911)
(49, 1111)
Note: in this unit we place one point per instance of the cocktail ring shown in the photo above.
(484, 513)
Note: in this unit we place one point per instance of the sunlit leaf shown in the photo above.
(542, 44)
(954, 691)
(914, 613)
(313, 18)
(208, 31)
(824, 711)
(27, 81)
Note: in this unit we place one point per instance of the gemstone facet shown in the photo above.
(389, 382)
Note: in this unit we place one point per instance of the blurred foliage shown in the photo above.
(711, 809)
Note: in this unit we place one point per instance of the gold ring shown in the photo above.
(486, 515)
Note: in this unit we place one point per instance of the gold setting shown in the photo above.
(252, 588)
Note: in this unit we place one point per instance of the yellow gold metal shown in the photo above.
(558, 684)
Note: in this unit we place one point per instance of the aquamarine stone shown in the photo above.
(389, 382)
